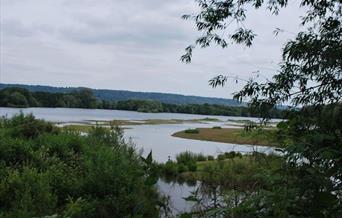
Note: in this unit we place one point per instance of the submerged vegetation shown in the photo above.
(49, 171)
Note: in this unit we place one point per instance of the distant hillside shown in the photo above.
(119, 95)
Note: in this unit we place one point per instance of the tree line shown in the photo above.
(84, 98)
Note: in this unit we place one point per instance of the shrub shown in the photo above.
(68, 175)
(201, 157)
(27, 193)
(191, 131)
(217, 127)
(192, 166)
(221, 157)
(182, 168)
(26, 126)
(210, 157)
(170, 168)
(186, 157)
(230, 155)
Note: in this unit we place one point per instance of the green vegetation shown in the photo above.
(84, 98)
(308, 184)
(266, 137)
(229, 170)
(19, 97)
(48, 171)
(191, 131)
(210, 119)
(121, 95)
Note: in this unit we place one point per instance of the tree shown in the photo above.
(17, 97)
(313, 57)
(309, 77)
(87, 98)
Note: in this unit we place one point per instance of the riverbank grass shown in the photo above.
(231, 169)
(265, 137)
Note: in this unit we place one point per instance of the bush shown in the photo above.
(210, 157)
(182, 168)
(186, 157)
(221, 157)
(64, 174)
(191, 131)
(26, 126)
(170, 168)
(192, 167)
(217, 127)
(232, 154)
(201, 157)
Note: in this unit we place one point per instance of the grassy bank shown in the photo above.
(231, 169)
(265, 137)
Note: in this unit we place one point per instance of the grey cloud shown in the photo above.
(15, 28)
(152, 34)
(125, 44)
(140, 26)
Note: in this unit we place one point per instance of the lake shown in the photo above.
(147, 137)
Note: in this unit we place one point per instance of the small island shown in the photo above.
(264, 137)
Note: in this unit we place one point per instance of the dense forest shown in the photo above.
(84, 98)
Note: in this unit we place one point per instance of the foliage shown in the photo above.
(191, 131)
(108, 96)
(232, 154)
(45, 172)
(217, 127)
(170, 168)
(210, 157)
(258, 136)
(201, 157)
(26, 126)
(186, 157)
(84, 98)
(20, 97)
(228, 186)
(17, 97)
(309, 78)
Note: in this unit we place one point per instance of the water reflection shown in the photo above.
(158, 139)
(177, 192)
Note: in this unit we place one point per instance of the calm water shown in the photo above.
(80, 115)
(151, 137)
(146, 137)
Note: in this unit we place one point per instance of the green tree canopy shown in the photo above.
(309, 78)
(310, 71)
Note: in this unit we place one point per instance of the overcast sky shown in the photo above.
(129, 45)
